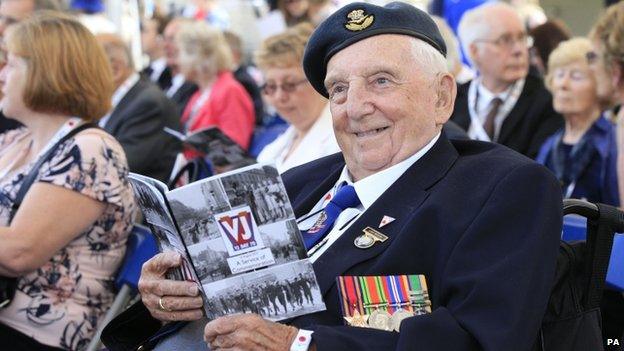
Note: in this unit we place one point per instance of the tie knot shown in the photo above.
(496, 102)
(346, 197)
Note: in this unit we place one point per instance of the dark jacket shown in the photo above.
(480, 221)
(529, 122)
(137, 122)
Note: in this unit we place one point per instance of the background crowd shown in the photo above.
(523, 82)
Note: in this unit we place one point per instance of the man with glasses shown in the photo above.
(505, 104)
(11, 12)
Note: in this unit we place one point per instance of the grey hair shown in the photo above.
(430, 59)
(474, 23)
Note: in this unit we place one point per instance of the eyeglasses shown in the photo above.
(507, 41)
(287, 87)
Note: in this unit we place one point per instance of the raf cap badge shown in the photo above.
(358, 20)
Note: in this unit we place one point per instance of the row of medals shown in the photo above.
(383, 320)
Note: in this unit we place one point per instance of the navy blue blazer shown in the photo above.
(480, 221)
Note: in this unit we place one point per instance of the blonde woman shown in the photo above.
(310, 134)
(206, 60)
(583, 154)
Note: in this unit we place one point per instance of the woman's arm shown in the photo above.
(49, 218)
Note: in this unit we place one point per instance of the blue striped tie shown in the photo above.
(346, 197)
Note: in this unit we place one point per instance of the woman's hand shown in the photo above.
(168, 300)
(248, 332)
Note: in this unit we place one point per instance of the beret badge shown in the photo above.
(358, 20)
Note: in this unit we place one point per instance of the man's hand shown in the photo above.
(248, 332)
(168, 300)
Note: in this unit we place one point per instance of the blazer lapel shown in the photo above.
(517, 113)
(117, 114)
(400, 201)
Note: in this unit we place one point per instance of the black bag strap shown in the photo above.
(29, 179)
(600, 232)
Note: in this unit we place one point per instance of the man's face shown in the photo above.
(13, 11)
(502, 55)
(604, 78)
(170, 45)
(150, 37)
(382, 103)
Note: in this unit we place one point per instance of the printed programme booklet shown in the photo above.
(239, 239)
(216, 146)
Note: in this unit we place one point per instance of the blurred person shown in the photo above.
(152, 30)
(180, 90)
(546, 37)
(11, 12)
(294, 11)
(139, 113)
(68, 237)
(91, 14)
(461, 72)
(209, 11)
(242, 75)
(221, 101)
(530, 11)
(319, 10)
(310, 134)
(583, 154)
(504, 104)
(607, 62)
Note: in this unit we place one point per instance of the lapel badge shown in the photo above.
(368, 238)
(358, 20)
(386, 220)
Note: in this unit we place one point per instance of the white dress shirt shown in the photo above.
(480, 103)
(319, 141)
(158, 66)
(176, 82)
(368, 190)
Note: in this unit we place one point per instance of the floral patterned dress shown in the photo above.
(60, 303)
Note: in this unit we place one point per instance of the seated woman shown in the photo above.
(206, 60)
(68, 237)
(583, 155)
(310, 135)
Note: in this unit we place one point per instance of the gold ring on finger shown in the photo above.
(161, 306)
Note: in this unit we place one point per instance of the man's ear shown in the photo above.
(445, 100)
(473, 54)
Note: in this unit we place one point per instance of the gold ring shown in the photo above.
(161, 306)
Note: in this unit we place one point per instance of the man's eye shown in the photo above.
(336, 89)
(381, 80)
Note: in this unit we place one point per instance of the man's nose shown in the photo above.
(359, 102)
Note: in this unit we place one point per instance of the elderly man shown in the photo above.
(479, 221)
(607, 62)
(504, 104)
(13, 11)
(139, 114)
(179, 90)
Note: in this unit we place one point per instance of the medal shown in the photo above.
(357, 320)
(380, 319)
(363, 241)
(369, 237)
(397, 317)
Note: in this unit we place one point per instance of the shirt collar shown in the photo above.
(370, 188)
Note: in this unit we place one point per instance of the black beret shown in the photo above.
(358, 21)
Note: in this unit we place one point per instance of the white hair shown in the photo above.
(452, 45)
(429, 58)
(475, 23)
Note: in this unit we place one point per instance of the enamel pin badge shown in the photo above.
(368, 238)
(386, 220)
